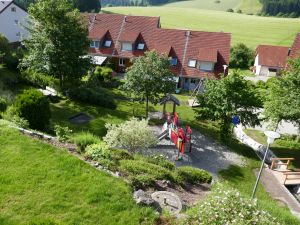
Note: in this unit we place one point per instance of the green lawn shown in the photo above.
(43, 183)
(251, 30)
(206, 4)
(283, 147)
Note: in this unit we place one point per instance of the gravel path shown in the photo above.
(206, 153)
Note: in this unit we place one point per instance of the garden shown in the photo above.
(85, 147)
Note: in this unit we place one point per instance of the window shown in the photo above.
(272, 70)
(16, 22)
(126, 46)
(95, 44)
(13, 9)
(121, 62)
(107, 43)
(141, 46)
(206, 66)
(173, 61)
(192, 63)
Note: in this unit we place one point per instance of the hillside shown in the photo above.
(247, 6)
(251, 30)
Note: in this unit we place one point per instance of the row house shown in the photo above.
(194, 55)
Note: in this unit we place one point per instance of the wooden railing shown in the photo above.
(281, 161)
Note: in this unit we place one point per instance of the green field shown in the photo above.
(247, 6)
(41, 183)
(251, 30)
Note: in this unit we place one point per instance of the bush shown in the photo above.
(3, 104)
(12, 116)
(193, 175)
(241, 56)
(239, 11)
(130, 135)
(118, 154)
(142, 181)
(62, 133)
(33, 106)
(95, 96)
(136, 167)
(159, 160)
(228, 207)
(38, 79)
(97, 151)
(229, 10)
(84, 139)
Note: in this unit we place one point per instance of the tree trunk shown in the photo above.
(61, 82)
(147, 105)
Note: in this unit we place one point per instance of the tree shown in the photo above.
(149, 77)
(222, 99)
(4, 48)
(131, 135)
(88, 5)
(58, 41)
(283, 97)
(241, 56)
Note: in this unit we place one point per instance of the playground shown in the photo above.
(189, 147)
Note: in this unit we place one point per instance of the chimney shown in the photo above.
(125, 19)
(289, 52)
(187, 33)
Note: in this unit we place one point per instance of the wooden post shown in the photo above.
(174, 108)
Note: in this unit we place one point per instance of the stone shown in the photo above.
(143, 198)
(168, 201)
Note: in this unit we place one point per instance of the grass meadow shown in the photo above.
(41, 184)
(247, 6)
(251, 30)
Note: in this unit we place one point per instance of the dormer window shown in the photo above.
(173, 61)
(13, 9)
(192, 63)
(95, 44)
(107, 43)
(126, 46)
(206, 66)
(140, 46)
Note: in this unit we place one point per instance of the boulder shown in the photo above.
(143, 198)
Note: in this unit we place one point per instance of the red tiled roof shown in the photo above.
(129, 36)
(295, 50)
(206, 46)
(272, 56)
(208, 55)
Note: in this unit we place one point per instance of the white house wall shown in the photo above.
(11, 23)
(257, 66)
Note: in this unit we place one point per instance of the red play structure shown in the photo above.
(182, 138)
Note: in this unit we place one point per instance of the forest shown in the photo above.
(281, 8)
(82, 5)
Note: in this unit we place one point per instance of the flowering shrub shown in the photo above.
(97, 151)
(229, 207)
(131, 135)
(62, 133)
